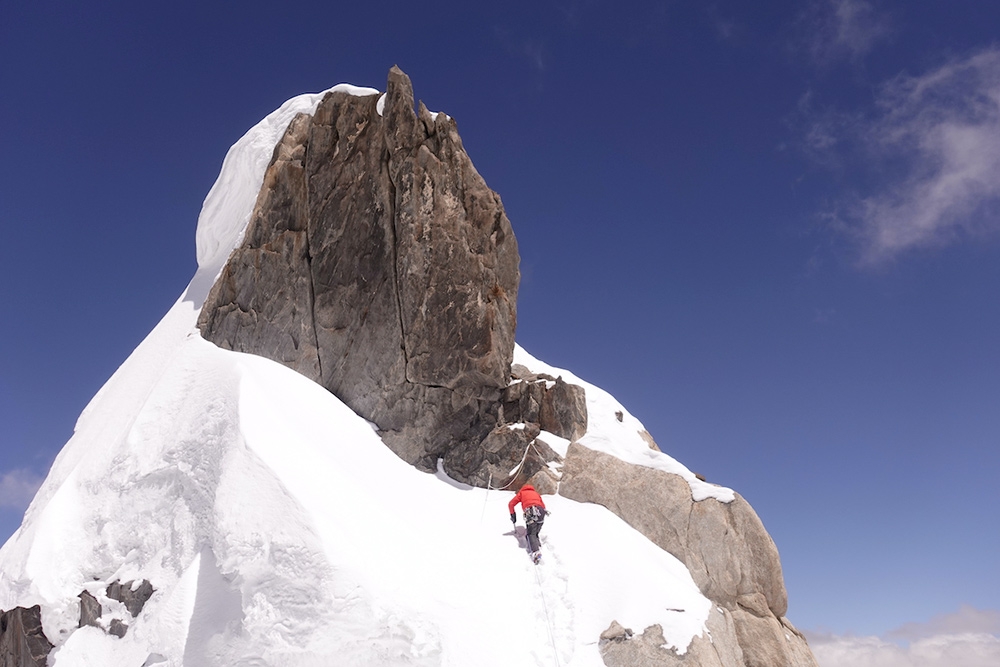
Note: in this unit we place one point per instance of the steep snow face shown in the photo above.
(277, 528)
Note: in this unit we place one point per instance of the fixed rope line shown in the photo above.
(489, 485)
(548, 620)
(518, 468)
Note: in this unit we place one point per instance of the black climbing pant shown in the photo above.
(533, 530)
(533, 518)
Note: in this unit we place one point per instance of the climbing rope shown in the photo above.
(548, 619)
(489, 485)
(538, 580)
(513, 475)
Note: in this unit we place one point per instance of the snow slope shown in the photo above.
(277, 528)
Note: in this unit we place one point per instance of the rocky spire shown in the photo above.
(378, 263)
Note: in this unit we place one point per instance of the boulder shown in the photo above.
(90, 610)
(116, 628)
(546, 478)
(555, 405)
(564, 410)
(22, 641)
(522, 401)
(132, 594)
(731, 557)
(616, 633)
(643, 650)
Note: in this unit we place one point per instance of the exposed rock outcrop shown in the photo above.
(378, 263)
(90, 610)
(555, 405)
(22, 641)
(133, 594)
(643, 650)
(731, 557)
(615, 633)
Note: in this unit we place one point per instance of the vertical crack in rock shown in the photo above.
(379, 264)
(395, 278)
(309, 273)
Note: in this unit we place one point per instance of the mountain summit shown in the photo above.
(308, 460)
(379, 264)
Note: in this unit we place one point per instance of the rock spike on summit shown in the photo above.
(399, 111)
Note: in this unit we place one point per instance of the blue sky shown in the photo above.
(770, 229)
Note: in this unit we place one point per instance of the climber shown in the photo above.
(534, 514)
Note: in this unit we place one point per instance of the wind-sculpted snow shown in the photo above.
(278, 529)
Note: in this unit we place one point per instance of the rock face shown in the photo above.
(724, 545)
(556, 406)
(90, 610)
(22, 641)
(378, 263)
(132, 594)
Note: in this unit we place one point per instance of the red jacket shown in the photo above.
(528, 497)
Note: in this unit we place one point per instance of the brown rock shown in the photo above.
(616, 633)
(644, 650)
(564, 410)
(770, 642)
(22, 641)
(378, 263)
(132, 596)
(560, 409)
(731, 557)
(90, 610)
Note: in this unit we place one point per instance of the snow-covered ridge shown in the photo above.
(278, 529)
(248, 494)
(621, 436)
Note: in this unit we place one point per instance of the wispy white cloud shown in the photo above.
(832, 30)
(932, 145)
(967, 638)
(946, 126)
(18, 487)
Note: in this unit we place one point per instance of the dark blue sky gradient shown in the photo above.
(653, 161)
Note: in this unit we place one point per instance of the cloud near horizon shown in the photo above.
(933, 148)
(967, 638)
(18, 487)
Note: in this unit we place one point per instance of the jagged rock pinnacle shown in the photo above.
(378, 263)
